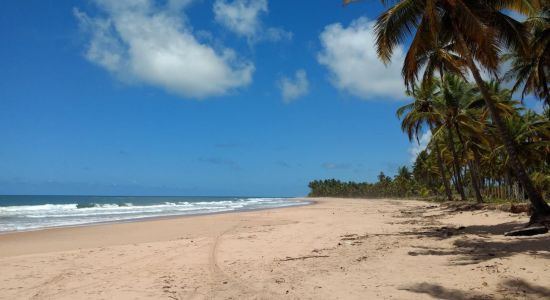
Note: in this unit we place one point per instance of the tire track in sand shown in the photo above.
(220, 280)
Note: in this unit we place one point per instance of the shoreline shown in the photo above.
(10, 236)
(333, 248)
(144, 219)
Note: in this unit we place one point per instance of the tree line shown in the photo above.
(401, 186)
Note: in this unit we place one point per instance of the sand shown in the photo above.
(335, 249)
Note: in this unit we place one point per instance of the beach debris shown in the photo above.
(529, 231)
(322, 249)
(288, 258)
(449, 231)
(353, 237)
(519, 208)
(362, 258)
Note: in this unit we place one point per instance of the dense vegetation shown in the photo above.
(484, 143)
(401, 186)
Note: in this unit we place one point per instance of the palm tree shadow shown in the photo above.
(512, 287)
(468, 251)
(446, 232)
(498, 229)
(522, 288)
(476, 251)
(439, 292)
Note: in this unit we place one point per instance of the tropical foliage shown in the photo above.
(484, 142)
(401, 186)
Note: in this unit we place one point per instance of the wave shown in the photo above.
(23, 208)
(101, 205)
(26, 217)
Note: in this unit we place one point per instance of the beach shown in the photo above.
(332, 249)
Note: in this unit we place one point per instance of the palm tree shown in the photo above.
(454, 106)
(480, 31)
(531, 132)
(426, 171)
(532, 69)
(419, 113)
(454, 92)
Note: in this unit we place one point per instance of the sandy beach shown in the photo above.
(334, 249)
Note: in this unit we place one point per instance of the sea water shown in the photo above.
(19, 213)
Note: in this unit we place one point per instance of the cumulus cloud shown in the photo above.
(417, 147)
(139, 41)
(350, 55)
(294, 88)
(243, 18)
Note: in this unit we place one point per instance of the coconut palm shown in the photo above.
(437, 58)
(532, 70)
(454, 106)
(480, 31)
(426, 172)
(419, 113)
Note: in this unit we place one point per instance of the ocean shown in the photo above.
(20, 213)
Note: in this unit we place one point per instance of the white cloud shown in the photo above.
(138, 41)
(243, 18)
(240, 16)
(350, 55)
(291, 89)
(275, 34)
(416, 147)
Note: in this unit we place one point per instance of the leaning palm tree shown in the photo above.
(421, 112)
(480, 31)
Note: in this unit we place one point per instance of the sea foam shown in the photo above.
(30, 217)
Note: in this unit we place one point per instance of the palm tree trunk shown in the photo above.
(477, 164)
(442, 169)
(473, 171)
(456, 163)
(541, 208)
(475, 182)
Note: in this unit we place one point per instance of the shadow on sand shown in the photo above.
(477, 244)
(521, 288)
(515, 288)
(480, 249)
(440, 292)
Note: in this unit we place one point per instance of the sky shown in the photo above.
(194, 97)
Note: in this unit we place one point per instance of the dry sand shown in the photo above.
(335, 249)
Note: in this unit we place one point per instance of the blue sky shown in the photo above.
(193, 97)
